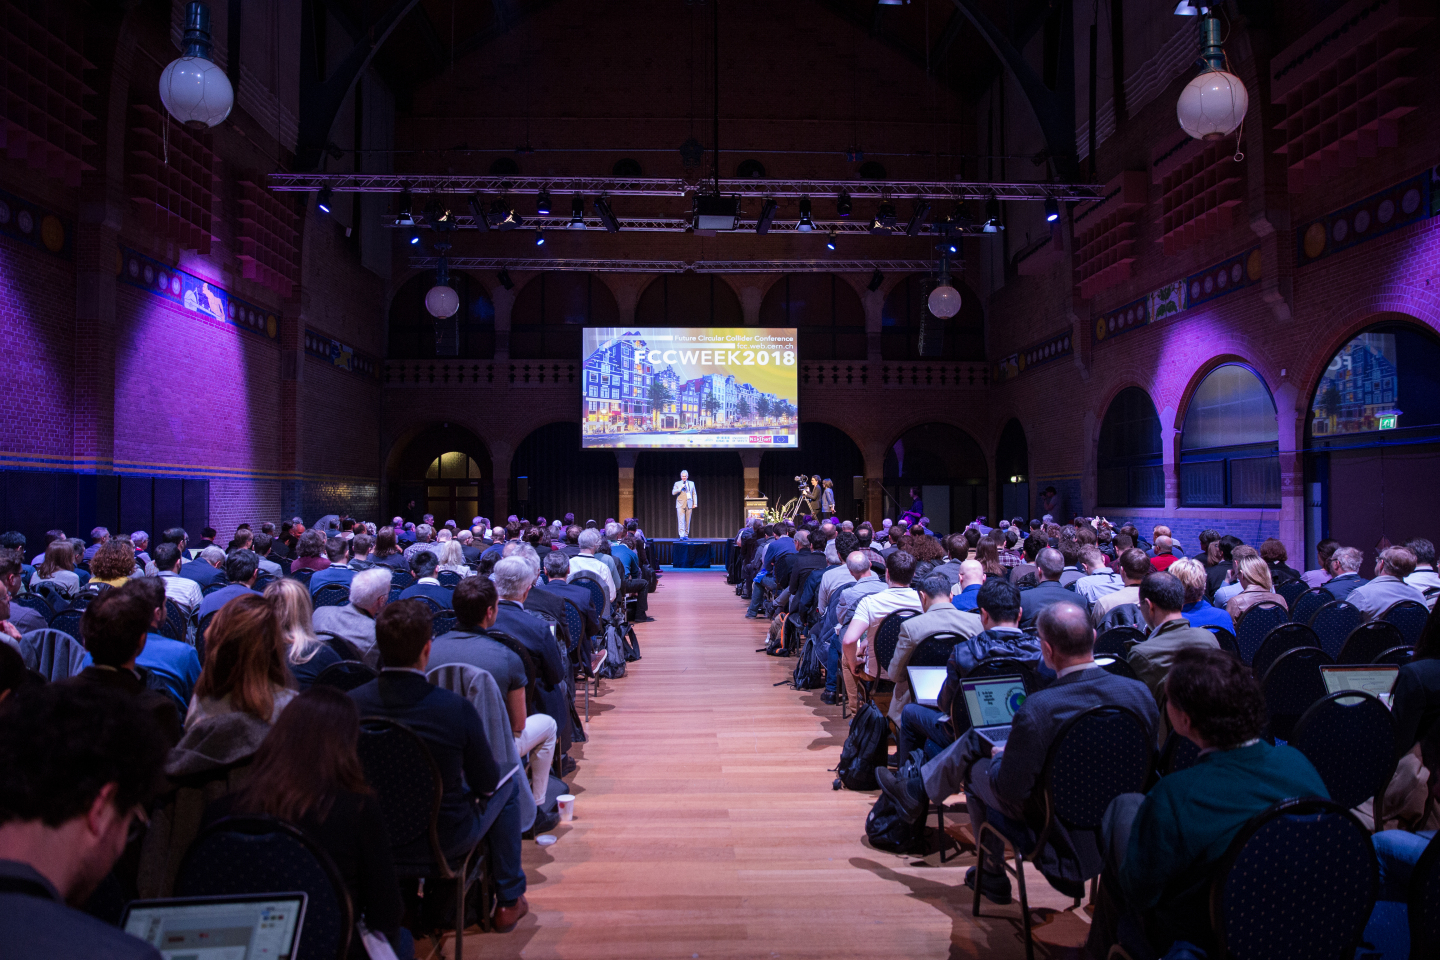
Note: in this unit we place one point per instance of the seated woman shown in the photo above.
(113, 563)
(1256, 587)
(917, 508)
(308, 773)
(244, 670)
(305, 653)
(59, 568)
(452, 558)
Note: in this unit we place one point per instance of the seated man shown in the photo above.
(1161, 597)
(940, 616)
(629, 562)
(1099, 579)
(471, 804)
(1134, 566)
(173, 664)
(475, 608)
(514, 577)
(1161, 849)
(337, 551)
(422, 568)
(1050, 565)
(1001, 785)
(1388, 586)
(972, 577)
(12, 565)
(585, 561)
(79, 765)
(263, 544)
(205, 568)
(557, 568)
(863, 583)
(241, 568)
(1344, 573)
(113, 627)
(858, 643)
(354, 623)
(185, 591)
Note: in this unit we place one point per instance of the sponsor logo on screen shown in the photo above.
(761, 439)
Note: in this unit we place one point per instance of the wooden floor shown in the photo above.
(706, 825)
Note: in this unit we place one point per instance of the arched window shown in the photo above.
(415, 335)
(1012, 463)
(905, 307)
(824, 308)
(551, 310)
(689, 300)
(1131, 474)
(452, 488)
(751, 169)
(1229, 449)
(626, 167)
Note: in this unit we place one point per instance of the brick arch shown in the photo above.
(1203, 371)
(1112, 391)
(1351, 317)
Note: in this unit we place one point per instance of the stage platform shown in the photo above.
(697, 552)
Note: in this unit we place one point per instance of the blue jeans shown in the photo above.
(757, 596)
(499, 819)
(919, 724)
(832, 664)
(1398, 851)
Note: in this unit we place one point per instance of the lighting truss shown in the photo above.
(665, 187)
(678, 266)
(678, 225)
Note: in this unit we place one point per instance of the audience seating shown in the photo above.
(50, 591)
(1179, 753)
(200, 634)
(345, 675)
(1350, 739)
(1287, 636)
(242, 855)
(53, 654)
(1255, 624)
(37, 603)
(1118, 665)
(212, 587)
(887, 635)
(303, 575)
(1334, 622)
(1409, 617)
(1298, 883)
(1291, 590)
(1097, 756)
(1423, 902)
(1370, 640)
(262, 581)
(1396, 656)
(402, 579)
(332, 595)
(1304, 608)
(1118, 640)
(448, 578)
(1226, 639)
(407, 784)
(934, 650)
(67, 621)
(434, 607)
(443, 622)
(597, 595)
(395, 592)
(86, 594)
(1291, 685)
(177, 623)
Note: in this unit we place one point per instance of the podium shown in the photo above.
(755, 508)
(690, 554)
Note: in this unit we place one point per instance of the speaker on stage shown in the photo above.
(858, 488)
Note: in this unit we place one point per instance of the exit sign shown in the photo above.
(1389, 423)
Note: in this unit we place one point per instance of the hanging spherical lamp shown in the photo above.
(193, 88)
(1212, 106)
(944, 300)
(442, 301)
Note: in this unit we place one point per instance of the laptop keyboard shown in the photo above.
(996, 734)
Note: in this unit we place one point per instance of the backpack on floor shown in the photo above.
(865, 749)
(614, 666)
(631, 644)
(809, 670)
(884, 826)
(775, 640)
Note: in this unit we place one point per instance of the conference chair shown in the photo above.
(1349, 737)
(1291, 685)
(1118, 665)
(433, 605)
(448, 578)
(1285, 637)
(1254, 624)
(442, 623)
(394, 594)
(402, 579)
(200, 631)
(1410, 617)
(1179, 753)
(222, 583)
(1370, 640)
(1298, 883)
(1225, 638)
(246, 855)
(37, 603)
(1308, 603)
(1096, 756)
(1291, 590)
(1333, 623)
(887, 635)
(67, 621)
(345, 675)
(53, 654)
(332, 595)
(303, 575)
(1396, 656)
(1118, 640)
(177, 622)
(934, 650)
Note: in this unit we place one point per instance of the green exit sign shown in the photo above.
(1389, 423)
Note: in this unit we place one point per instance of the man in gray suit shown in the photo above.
(1388, 587)
(1002, 785)
(940, 616)
(355, 621)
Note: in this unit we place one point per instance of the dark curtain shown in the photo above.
(719, 486)
(824, 450)
(562, 478)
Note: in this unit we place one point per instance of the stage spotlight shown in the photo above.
(577, 212)
(406, 218)
(324, 200)
(607, 216)
(877, 279)
(539, 238)
(477, 212)
(917, 218)
(1052, 209)
(542, 203)
(883, 223)
(502, 216)
(767, 215)
(414, 236)
(830, 240)
(806, 222)
(842, 204)
(504, 277)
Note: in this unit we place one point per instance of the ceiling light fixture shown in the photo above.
(607, 215)
(502, 216)
(830, 240)
(477, 213)
(442, 301)
(883, 223)
(577, 212)
(406, 216)
(806, 222)
(767, 215)
(1213, 104)
(323, 201)
(877, 280)
(542, 202)
(193, 88)
(842, 204)
(540, 238)
(1052, 209)
(504, 277)
(414, 236)
(917, 218)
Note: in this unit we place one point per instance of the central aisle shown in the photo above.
(706, 827)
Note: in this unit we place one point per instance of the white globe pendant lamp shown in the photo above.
(442, 301)
(944, 301)
(1213, 104)
(193, 88)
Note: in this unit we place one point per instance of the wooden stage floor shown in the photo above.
(706, 826)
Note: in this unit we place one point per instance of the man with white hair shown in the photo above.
(354, 623)
(587, 562)
(1345, 572)
(424, 534)
(205, 569)
(683, 491)
(140, 540)
(514, 577)
(628, 562)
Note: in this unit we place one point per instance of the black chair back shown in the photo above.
(1179, 753)
(1291, 685)
(407, 783)
(1298, 883)
(37, 603)
(1116, 664)
(177, 623)
(1350, 739)
(1334, 622)
(442, 623)
(67, 621)
(1255, 624)
(245, 855)
(1410, 617)
(597, 595)
(262, 581)
(575, 625)
(1118, 640)
(200, 634)
(1304, 608)
(1008, 667)
(1423, 903)
(887, 635)
(1287, 636)
(394, 593)
(332, 595)
(934, 650)
(88, 593)
(434, 606)
(1096, 756)
(1226, 639)
(448, 578)
(345, 675)
(402, 579)
(1291, 590)
(1370, 640)
(1398, 656)
(220, 584)
(303, 575)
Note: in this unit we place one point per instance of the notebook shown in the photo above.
(992, 703)
(925, 682)
(1376, 678)
(264, 926)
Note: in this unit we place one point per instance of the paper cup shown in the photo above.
(567, 807)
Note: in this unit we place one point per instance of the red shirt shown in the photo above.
(1161, 561)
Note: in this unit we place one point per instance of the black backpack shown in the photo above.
(809, 672)
(884, 826)
(865, 749)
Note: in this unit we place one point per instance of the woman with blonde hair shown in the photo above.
(59, 568)
(245, 670)
(452, 558)
(1256, 586)
(305, 653)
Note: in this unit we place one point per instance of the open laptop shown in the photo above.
(1378, 679)
(925, 683)
(262, 926)
(992, 703)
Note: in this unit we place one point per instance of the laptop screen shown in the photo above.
(1376, 679)
(259, 927)
(926, 683)
(993, 701)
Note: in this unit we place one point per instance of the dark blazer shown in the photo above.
(513, 620)
(221, 597)
(547, 603)
(136, 684)
(472, 552)
(1341, 586)
(579, 596)
(1037, 598)
(801, 565)
(434, 591)
(455, 735)
(200, 571)
(1416, 704)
